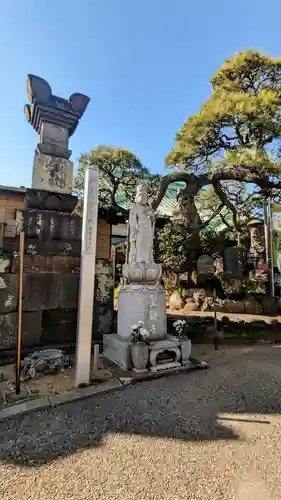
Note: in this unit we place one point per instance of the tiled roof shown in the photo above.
(169, 204)
(13, 189)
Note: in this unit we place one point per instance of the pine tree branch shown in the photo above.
(216, 212)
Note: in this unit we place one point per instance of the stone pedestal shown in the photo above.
(142, 302)
(145, 302)
(117, 350)
(171, 346)
(164, 354)
(51, 173)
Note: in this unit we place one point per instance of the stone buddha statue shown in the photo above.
(141, 266)
(142, 224)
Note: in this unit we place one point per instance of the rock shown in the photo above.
(269, 305)
(48, 361)
(233, 306)
(252, 306)
(199, 296)
(211, 331)
(175, 301)
(208, 304)
(190, 292)
(259, 324)
(190, 305)
(225, 320)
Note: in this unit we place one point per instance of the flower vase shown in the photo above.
(185, 350)
(139, 356)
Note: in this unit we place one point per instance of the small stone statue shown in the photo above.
(142, 225)
(257, 248)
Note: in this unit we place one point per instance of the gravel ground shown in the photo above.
(202, 435)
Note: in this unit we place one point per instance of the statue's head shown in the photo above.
(141, 195)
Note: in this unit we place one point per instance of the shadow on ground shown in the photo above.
(184, 407)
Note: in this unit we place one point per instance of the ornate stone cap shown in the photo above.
(46, 107)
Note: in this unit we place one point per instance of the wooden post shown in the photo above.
(19, 333)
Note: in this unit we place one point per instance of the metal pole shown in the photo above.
(19, 333)
(87, 277)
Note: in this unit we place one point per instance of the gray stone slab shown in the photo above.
(74, 395)
(40, 292)
(69, 285)
(19, 408)
(117, 350)
(11, 397)
(24, 407)
(31, 328)
(165, 366)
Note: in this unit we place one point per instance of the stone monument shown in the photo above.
(233, 265)
(52, 230)
(142, 298)
(54, 119)
(257, 240)
(49, 201)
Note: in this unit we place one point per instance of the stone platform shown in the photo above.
(177, 352)
(117, 350)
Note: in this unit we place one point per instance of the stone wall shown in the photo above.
(51, 281)
(232, 331)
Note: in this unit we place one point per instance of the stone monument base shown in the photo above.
(117, 350)
(169, 349)
(142, 302)
(165, 354)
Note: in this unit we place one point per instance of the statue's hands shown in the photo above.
(134, 236)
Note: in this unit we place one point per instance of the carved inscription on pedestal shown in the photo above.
(52, 174)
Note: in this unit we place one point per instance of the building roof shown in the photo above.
(169, 205)
(13, 189)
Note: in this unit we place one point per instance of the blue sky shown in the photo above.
(145, 64)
